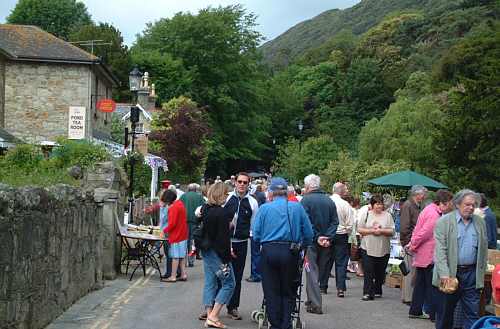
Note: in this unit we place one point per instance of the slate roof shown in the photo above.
(7, 139)
(31, 42)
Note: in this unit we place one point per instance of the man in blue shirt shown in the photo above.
(282, 228)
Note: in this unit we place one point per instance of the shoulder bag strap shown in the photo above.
(289, 223)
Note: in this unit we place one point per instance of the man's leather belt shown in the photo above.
(276, 242)
(465, 268)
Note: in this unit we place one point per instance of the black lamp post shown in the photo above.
(300, 125)
(135, 77)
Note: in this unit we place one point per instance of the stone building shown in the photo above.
(41, 77)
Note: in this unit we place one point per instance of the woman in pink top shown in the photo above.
(422, 247)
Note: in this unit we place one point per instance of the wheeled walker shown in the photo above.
(260, 316)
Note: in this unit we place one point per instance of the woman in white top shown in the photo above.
(376, 227)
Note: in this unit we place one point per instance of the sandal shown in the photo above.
(168, 280)
(214, 324)
(203, 316)
(184, 278)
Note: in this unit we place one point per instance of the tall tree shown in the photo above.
(59, 17)
(115, 55)
(468, 139)
(406, 132)
(217, 47)
(298, 159)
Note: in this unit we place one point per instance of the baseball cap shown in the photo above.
(278, 183)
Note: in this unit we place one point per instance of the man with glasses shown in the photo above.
(244, 207)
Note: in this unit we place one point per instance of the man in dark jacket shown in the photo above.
(244, 207)
(192, 200)
(408, 219)
(491, 222)
(255, 274)
(323, 215)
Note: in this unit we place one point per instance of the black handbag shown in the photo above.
(404, 268)
(200, 235)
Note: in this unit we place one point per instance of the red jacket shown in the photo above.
(177, 228)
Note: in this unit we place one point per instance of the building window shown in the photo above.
(139, 127)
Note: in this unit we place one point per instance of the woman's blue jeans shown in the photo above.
(216, 290)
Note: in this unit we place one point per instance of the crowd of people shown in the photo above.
(445, 244)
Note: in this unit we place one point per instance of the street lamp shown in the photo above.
(300, 126)
(135, 77)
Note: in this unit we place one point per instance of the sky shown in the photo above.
(131, 16)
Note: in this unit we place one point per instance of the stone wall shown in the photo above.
(2, 90)
(51, 252)
(100, 121)
(38, 97)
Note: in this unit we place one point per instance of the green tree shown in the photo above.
(217, 49)
(389, 43)
(406, 132)
(296, 160)
(341, 101)
(468, 138)
(59, 17)
(364, 90)
(117, 129)
(170, 77)
(115, 55)
(357, 172)
(339, 49)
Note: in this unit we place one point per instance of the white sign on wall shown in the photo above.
(76, 127)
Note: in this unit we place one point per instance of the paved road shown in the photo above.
(147, 303)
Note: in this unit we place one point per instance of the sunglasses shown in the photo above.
(244, 182)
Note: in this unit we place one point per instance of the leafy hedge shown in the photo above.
(27, 164)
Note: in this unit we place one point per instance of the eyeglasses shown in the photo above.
(244, 182)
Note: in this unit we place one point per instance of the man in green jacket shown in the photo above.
(192, 199)
(460, 252)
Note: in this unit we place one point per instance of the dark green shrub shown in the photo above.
(78, 152)
(23, 156)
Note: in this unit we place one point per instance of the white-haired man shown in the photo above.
(324, 220)
(460, 252)
(408, 219)
(340, 241)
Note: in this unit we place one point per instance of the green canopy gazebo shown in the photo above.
(406, 179)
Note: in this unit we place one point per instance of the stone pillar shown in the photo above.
(107, 200)
(109, 184)
(146, 100)
(2, 92)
